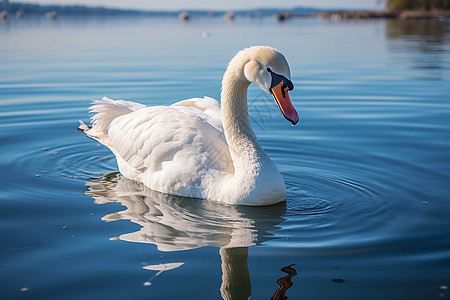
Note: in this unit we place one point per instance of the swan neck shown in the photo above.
(236, 123)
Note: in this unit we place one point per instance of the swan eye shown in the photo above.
(269, 70)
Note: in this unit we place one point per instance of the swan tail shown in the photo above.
(106, 110)
(83, 127)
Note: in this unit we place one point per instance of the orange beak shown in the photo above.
(281, 95)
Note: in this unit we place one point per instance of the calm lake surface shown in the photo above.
(367, 168)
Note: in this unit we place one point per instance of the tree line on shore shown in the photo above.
(426, 5)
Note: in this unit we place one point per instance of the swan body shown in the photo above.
(199, 147)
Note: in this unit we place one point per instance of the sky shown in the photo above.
(217, 4)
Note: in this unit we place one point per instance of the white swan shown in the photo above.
(195, 148)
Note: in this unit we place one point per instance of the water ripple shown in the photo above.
(325, 206)
(82, 161)
(57, 162)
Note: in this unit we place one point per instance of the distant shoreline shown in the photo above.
(25, 9)
(79, 10)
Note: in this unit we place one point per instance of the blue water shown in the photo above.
(367, 168)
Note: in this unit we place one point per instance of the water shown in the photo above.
(367, 169)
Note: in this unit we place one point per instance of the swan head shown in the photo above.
(268, 68)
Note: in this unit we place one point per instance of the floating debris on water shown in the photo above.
(51, 14)
(160, 268)
(230, 16)
(339, 280)
(164, 267)
(4, 15)
(184, 16)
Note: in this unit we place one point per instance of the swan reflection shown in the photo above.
(174, 223)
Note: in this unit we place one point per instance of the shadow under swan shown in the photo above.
(175, 223)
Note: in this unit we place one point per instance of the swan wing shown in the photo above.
(172, 149)
(208, 106)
